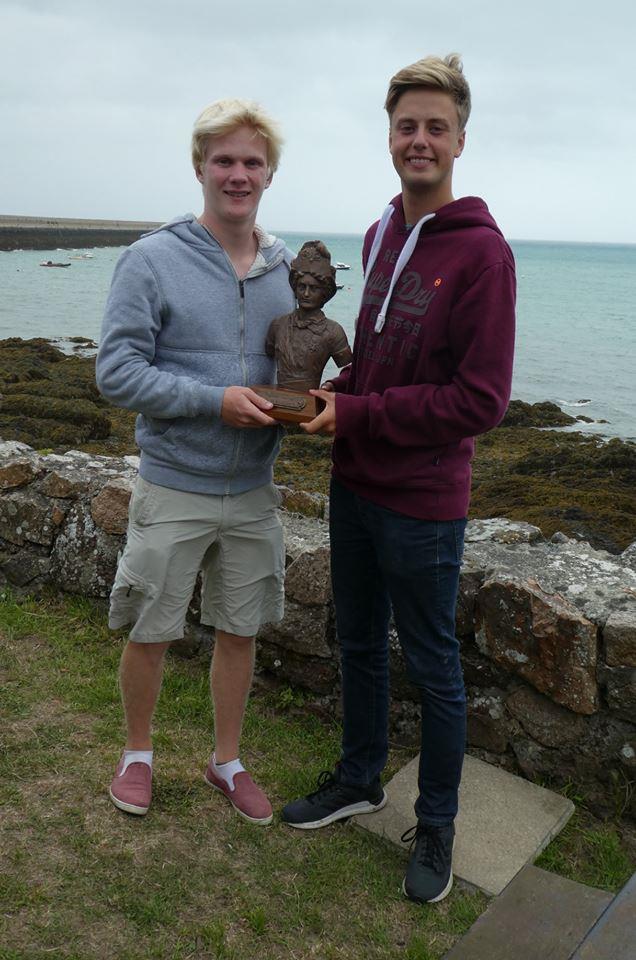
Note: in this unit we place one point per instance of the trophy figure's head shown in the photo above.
(311, 275)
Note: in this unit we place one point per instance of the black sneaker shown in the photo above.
(429, 875)
(332, 801)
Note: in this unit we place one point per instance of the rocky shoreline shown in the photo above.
(527, 469)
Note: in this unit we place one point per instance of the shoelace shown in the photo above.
(326, 783)
(430, 849)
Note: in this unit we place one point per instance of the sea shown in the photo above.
(576, 316)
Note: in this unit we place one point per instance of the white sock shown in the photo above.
(228, 770)
(136, 756)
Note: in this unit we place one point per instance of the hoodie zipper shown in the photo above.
(239, 439)
(270, 265)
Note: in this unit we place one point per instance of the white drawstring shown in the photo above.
(375, 247)
(402, 260)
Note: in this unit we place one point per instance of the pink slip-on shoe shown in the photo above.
(247, 799)
(132, 790)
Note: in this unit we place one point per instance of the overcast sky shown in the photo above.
(97, 102)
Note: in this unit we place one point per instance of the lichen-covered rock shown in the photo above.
(627, 758)
(64, 484)
(302, 534)
(479, 670)
(17, 473)
(620, 690)
(595, 760)
(13, 448)
(84, 557)
(628, 556)
(197, 641)
(488, 725)
(594, 581)
(26, 517)
(308, 578)
(109, 509)
(540, 637)
(619, 635)
(470, 581)
(57, 514)
(311, 673)
(24, 568)
(500, 530)
(303, 629)
(544, 720)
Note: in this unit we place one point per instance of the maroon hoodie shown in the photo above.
(439, 372)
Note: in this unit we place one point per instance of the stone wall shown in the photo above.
(548, 628)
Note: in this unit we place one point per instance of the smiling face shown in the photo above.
(234, 174)
(424, 141)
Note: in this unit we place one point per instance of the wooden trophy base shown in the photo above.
(289, 405)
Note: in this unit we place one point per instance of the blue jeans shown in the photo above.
(380, 560)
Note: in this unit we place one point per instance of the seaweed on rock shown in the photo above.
(559, 481)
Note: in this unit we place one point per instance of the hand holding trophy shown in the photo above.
(305, 339)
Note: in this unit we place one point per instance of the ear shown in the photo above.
(270, 177)
(461, 142)
(198, 173)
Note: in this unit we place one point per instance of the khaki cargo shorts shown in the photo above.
(237, 542)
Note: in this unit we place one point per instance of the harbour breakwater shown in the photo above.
(49, 233)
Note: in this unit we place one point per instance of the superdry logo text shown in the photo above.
(410, 294)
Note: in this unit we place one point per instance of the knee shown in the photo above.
(451, 693)
(150, 654)
(438, 681)
(232, 641)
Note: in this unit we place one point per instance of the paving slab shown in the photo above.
(539, 916)
(504, 822)
(613, 937)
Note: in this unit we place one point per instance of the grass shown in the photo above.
(589, 852)
(79, 880)
(190, 880)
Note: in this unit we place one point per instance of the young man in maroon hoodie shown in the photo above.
(431, 368)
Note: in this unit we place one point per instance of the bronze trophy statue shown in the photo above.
(305, 339)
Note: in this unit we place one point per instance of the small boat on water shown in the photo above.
(82, 256)
(342, 266)
(51, 263)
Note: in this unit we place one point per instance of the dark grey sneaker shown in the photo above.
(429, 875)
(332, 801)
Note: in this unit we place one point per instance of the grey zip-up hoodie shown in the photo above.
(179, 328)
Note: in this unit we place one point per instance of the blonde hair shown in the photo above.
(225, 116)
(433, 73)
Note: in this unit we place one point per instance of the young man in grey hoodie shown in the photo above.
(183, 335)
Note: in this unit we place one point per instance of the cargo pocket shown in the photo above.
(127, 598)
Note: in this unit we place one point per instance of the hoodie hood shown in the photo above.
(457, 215)
(271, 250)
(467, 213)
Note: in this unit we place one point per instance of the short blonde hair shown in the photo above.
(433, 73)
(225, 116)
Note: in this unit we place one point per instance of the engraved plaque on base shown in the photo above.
(289, 405)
